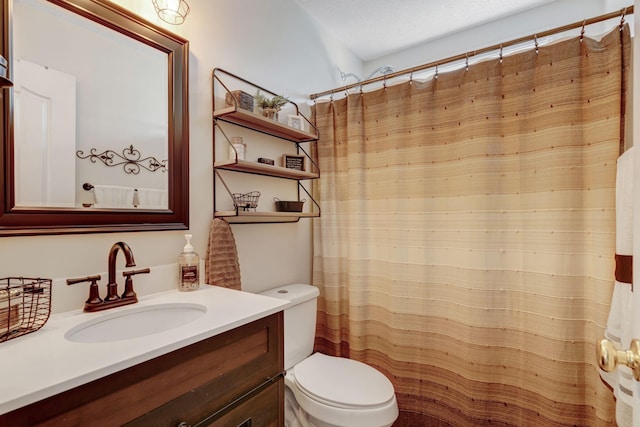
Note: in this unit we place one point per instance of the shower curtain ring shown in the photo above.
(466, 61)
(624, 12)
(535, 41)
(501, 53)
(436, 76)
(582, 30)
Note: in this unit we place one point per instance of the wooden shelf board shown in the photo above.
(264, 169)
(263, 124)
(250, 216)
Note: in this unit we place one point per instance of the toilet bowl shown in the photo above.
(322, 390)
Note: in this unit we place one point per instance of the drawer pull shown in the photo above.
(246, 423)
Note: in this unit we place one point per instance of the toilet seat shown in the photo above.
(343, 383)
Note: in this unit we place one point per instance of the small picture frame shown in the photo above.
(296, 122)
(294, 161)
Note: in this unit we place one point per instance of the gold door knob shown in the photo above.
(609, 357)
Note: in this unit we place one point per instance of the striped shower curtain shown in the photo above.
(467, 236)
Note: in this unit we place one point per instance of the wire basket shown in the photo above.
(25, 306)
(246, 201)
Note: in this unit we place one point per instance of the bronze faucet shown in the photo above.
(112, 285)
(95, 303)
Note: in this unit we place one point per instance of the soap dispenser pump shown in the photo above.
(188, 267)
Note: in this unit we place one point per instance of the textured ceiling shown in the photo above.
(374, 28)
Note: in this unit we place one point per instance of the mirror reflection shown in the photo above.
(90, 113)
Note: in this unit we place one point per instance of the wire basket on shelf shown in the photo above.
(246, 201)
(25, 305)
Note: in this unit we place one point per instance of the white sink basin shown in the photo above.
(135, 322)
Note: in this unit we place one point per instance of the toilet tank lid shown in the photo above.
(296, 293)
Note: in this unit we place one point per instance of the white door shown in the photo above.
(45, 136)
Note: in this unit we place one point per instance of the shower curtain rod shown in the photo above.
(500, 46)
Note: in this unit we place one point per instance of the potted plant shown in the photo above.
(270, 106)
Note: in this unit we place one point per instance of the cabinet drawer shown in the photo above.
(261, 409)
(223, 368)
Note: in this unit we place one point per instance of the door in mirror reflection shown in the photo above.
(45, 125)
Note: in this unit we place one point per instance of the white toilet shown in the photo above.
(327, 391)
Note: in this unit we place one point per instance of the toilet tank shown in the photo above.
(299, 320)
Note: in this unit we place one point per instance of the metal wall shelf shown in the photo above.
(256, 122)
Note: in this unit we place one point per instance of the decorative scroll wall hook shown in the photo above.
(130, 159)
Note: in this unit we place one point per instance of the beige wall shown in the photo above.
(269, 42)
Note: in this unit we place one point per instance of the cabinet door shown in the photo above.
(262, 409)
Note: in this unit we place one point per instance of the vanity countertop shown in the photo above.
(45, 363)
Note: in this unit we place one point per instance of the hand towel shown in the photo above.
(151, 198)
(221, 266)
(112, 196)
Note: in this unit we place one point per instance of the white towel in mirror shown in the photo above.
(151, 198)
(112, 196)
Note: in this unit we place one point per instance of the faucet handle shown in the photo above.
(94, 296)
(128, 284)
(134, 272)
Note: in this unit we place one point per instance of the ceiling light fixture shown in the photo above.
(171, 11)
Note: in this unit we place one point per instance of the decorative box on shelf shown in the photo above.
(266, 161)
(288, 205)
(243, 99)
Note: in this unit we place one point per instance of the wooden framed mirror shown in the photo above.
(131, 101)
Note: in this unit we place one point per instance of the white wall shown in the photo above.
(546, 17)
(269, 42)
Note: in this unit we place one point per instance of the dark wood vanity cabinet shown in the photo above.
(232, 379)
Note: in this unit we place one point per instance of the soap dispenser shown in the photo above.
(188, 267)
